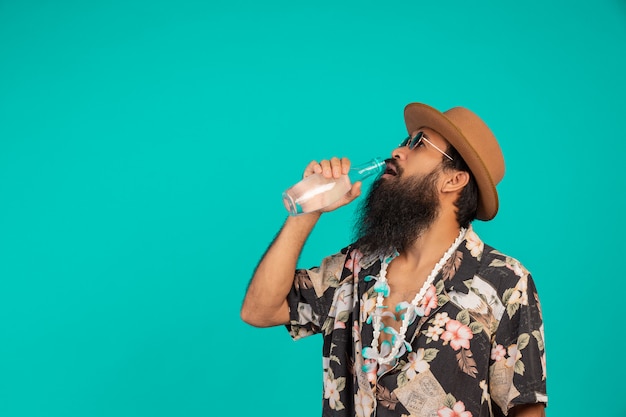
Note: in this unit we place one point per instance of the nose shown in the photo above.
(400, 152)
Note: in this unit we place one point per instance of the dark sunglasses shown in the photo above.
(415, 142)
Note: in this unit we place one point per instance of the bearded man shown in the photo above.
(419, 317)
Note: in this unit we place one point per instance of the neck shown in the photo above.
(430, 245)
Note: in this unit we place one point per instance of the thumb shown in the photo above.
(355, 191)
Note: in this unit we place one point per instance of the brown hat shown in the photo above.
(474, 141)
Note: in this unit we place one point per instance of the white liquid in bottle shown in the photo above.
(316, 192)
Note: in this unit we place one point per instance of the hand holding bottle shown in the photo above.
(335, 170)
(328, 185)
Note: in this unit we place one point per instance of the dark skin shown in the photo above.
(265, 301)
(528, 410)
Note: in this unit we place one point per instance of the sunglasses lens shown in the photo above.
(415, 141)
(412, 142)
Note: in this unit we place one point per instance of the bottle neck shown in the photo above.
(371, 168)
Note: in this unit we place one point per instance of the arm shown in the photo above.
(530, 410)
(265, 303)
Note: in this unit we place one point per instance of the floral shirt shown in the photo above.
(474, 348)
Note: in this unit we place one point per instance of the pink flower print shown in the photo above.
(434, 332)
(517, 268)
(458, 410)
(457, 334)
(514, 355)
(498, 352)
(473, 243)
(429, 301)
(441, 319)
(354, 262)
(515, 297)
(519, 295)
(331, 392)
(363, 404)
(416, 364)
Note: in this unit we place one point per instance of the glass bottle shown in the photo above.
(316, 192)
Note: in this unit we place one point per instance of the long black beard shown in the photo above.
(396, 212)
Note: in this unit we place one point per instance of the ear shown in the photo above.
(455, 181)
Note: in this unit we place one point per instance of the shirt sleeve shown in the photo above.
(518, 369)
(311, 297)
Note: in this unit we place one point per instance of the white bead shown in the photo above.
(401, 337)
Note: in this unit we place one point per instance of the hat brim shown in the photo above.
(418, 115)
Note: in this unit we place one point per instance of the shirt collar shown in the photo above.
(468, 256)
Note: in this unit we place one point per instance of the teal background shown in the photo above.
(144, 146)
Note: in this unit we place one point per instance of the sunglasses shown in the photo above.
(416, 141)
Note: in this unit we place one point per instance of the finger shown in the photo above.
(313, 168)
(336, 166)
(345, 166)
(325, 168)
(355, 191)
(331, 168)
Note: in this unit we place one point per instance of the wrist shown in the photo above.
(305, 218)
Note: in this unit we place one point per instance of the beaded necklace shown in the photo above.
(383, 290)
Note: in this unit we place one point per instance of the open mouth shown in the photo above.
(391, 169)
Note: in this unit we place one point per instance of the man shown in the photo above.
(419, 317)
